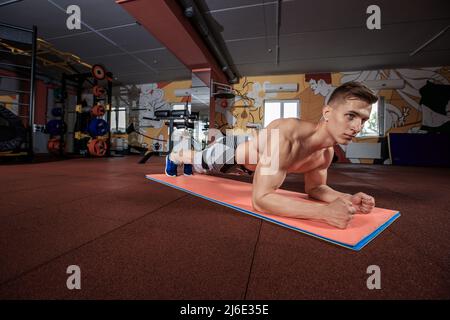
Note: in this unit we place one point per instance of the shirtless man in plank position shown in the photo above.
(303, 147)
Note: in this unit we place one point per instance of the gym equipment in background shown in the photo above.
(98, 91)
(54, 145)
(95, 121)
(98, 72)
(174, 119)
(132, 129)
(98, 110)
(98, 127)
(12, 131)
(57, 112)
(56, 127)
(18, 64)
(97, 147)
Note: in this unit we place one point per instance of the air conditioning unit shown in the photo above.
(182, 92)
(280, 87)
(385, 84)
(191, 91)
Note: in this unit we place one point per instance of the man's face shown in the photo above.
(346, 119)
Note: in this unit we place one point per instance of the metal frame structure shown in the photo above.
(26, 37)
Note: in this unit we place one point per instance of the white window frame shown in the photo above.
(113, 119)
(282, 102)
(380, 121)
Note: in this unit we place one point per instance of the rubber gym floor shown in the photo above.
(136, 239)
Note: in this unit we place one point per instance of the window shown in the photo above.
(375, 125)
(118, 119)
(280, 109)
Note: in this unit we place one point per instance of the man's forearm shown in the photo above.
(327, 194)
(280, 205)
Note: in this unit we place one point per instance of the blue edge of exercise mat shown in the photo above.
(361, 244)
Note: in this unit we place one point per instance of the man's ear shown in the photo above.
(326, 112)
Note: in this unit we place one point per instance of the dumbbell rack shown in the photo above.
(83, 115)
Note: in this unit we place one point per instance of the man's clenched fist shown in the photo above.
(362, 202)
(339, 213)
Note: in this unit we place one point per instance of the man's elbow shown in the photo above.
(258, 202)
(313, 192)
(310, 190)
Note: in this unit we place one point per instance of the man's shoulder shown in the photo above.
(299, 130)
(291, 121)
(295, 125)
(292, 129)
(294, 121)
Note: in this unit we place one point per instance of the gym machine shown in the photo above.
(174, 119)
(18, 77)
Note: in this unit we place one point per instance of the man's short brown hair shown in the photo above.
(352, 89)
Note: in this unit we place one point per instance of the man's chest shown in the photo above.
(306, 162)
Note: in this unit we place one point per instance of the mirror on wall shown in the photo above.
(201, 93)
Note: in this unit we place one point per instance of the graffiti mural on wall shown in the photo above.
(420, 107)
(412, 108)
(417, 81)
(142, 101)
(320, 84)
(247, 107)
(435, 103)
(224, 118)
(151, 99)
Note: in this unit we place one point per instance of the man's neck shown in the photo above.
(319, 139)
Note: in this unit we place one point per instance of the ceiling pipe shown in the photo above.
(6, 3)
(277, 37)
(429, 41)
(192, 12)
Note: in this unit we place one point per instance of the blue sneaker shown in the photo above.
(171, 168)
(187, 170)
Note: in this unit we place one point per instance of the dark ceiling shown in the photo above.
(313, 36)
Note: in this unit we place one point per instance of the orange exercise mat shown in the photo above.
(237, 195)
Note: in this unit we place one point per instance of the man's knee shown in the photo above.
(197, 162)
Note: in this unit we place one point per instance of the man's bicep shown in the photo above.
(272, 168)
(315, 178)
(269, 175)
(266, 183)
(318, 176)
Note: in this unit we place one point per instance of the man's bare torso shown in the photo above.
(293, 132)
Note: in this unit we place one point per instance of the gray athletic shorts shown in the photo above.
(219, 157)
